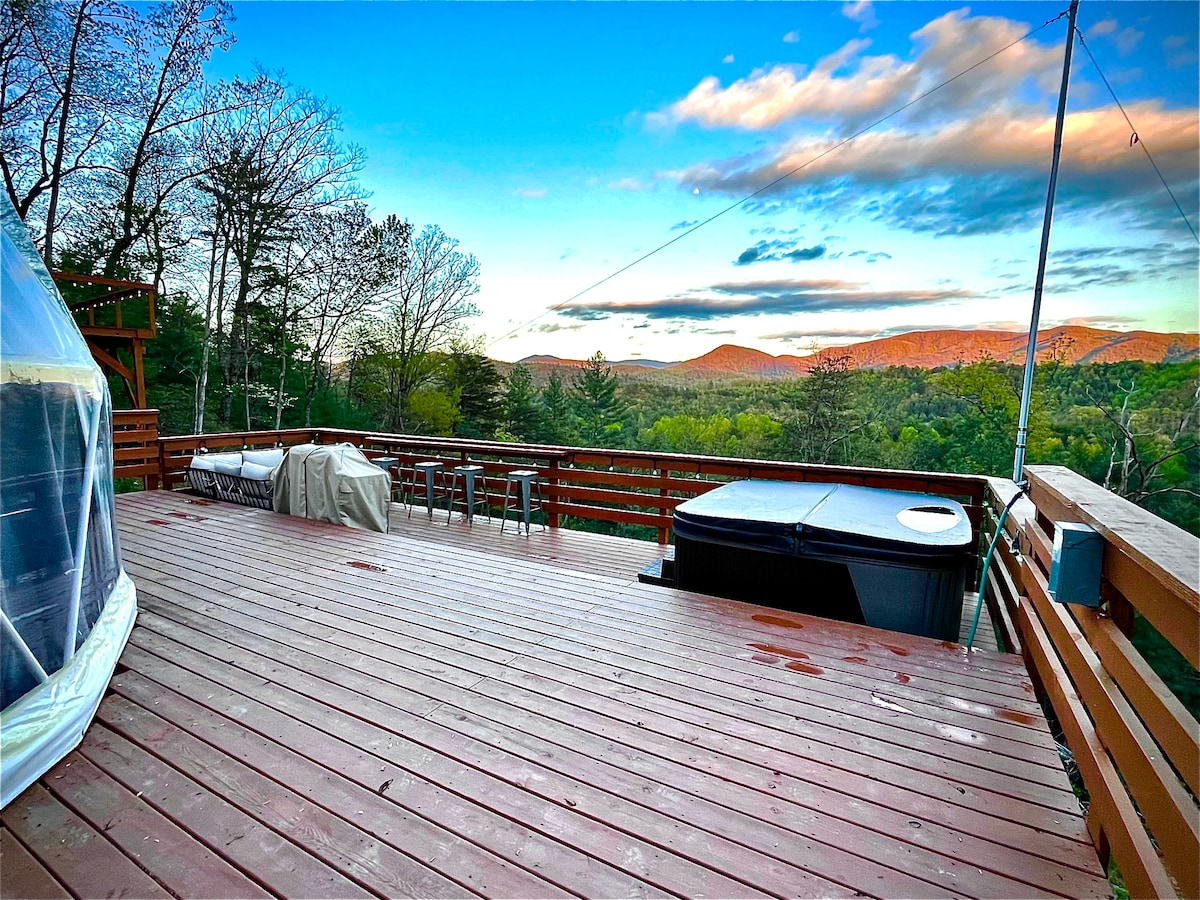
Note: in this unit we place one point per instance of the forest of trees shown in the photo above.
(285, 300)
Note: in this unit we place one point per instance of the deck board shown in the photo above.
(448, 711)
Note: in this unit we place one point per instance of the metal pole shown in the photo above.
(1031, 347)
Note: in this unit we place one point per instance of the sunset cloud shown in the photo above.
(979, 174)
(766, 297)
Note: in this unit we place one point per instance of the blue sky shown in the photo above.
(560, 141)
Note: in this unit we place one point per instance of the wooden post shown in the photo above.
(552, 490)
(161, 480)
(664, 475)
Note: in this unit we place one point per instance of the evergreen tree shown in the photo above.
(557, 424)
(595, 392)
(521, 413)
(473, 379)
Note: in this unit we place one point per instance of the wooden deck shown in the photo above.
(308, 710)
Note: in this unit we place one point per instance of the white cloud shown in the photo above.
(862, 12)
(728, 58)
(849, 86)
(1127, 40)
(1103, 27)
(792, 37)
(629, 184)
(530, 193)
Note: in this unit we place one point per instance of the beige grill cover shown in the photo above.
(332, 483)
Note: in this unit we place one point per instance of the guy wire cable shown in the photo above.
(1135, 137)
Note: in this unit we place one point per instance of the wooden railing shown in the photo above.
(135, 446)
(1137, 747)
(621, 486)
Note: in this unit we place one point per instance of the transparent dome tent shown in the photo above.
(66, 605)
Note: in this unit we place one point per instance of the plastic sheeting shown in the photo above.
(332, 483)
(60, 563)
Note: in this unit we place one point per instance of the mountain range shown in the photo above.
(1072, 344)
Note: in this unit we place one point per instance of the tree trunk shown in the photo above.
(282, 349)
(202, 380)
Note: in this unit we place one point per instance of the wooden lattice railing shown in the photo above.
(1137, 747)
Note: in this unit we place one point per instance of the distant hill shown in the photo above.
(1072, 344)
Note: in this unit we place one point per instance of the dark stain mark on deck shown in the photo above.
(780, 651)
(1019, 717)
(776, 620)
(805, 668)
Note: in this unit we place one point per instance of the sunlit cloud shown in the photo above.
(530, 193)
(728, 58)
(872, 85)
(792, 37)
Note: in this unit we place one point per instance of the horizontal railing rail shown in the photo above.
(1136, 746)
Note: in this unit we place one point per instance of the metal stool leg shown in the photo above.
(504, 508)
(525, 492)
(470, 488)
(450, 496)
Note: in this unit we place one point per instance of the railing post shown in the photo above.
(664, 476)
(552, 518)
(160, 481)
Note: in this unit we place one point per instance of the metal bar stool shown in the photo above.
(527, 484)
(469, 473)
(423, 485)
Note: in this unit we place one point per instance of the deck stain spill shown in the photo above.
(804, 667)
(370, 567)
(854, 659)
(1019, 717)
(780, 651)
(188, 516)
(776, 620)
(899, 651)
(157, 522)
(902, 678)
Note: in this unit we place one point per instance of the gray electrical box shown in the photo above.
(1075, 564)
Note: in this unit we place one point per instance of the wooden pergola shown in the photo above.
(102, 319)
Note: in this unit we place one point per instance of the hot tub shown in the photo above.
(889, 559)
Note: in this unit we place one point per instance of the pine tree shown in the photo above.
(557, 419)
(595, 393)
(521, 412)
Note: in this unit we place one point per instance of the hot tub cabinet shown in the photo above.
(889, 559)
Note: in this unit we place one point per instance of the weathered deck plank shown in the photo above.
(467, 713)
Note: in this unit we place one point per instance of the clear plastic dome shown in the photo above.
(66, 605)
